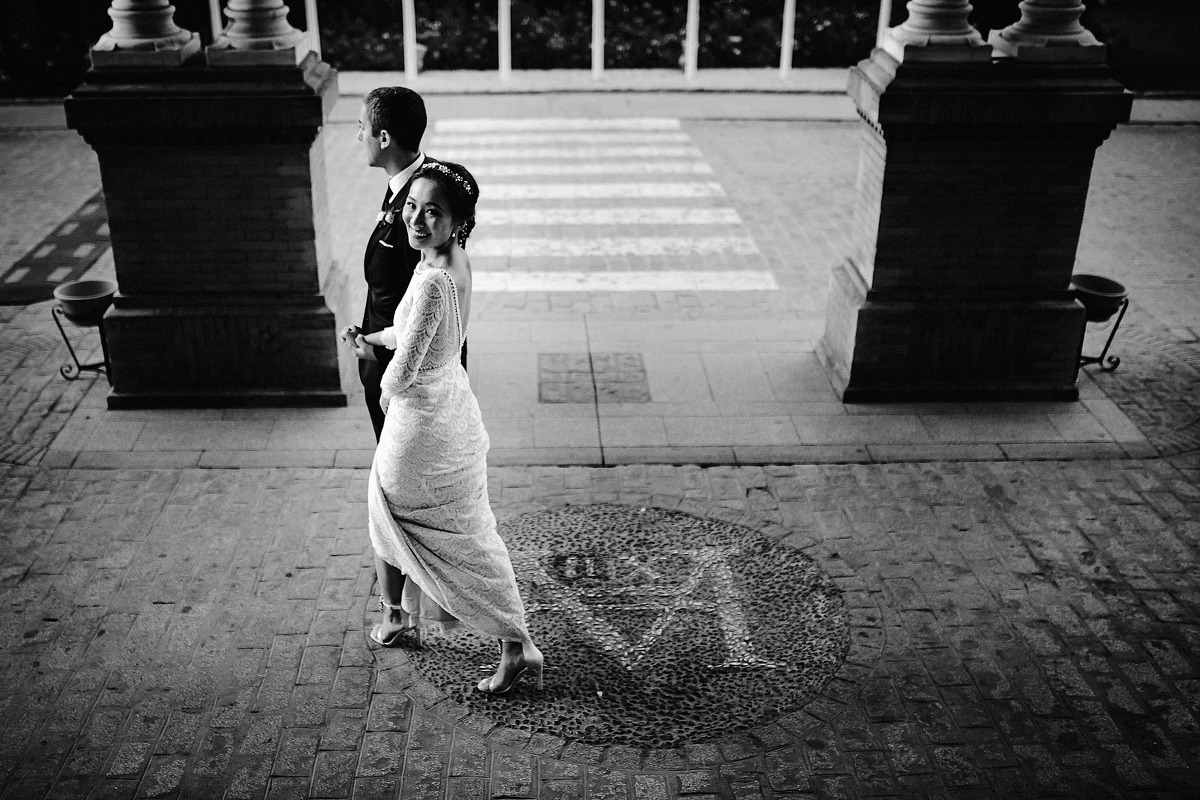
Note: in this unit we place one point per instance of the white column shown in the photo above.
(408, 13)
(314, 26)
(214, 18)
(691, 40)
(504, 31)
(1049, 30)
(144, 33)
(937, 30)
(787, 42)
(885, 21)
(597, 39)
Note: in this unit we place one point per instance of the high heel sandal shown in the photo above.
(393, 639)
(531, 659)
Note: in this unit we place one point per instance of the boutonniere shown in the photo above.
(386, 217)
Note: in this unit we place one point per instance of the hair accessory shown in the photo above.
(442, 168)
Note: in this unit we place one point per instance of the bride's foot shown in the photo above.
(515, 659)
(396, 622)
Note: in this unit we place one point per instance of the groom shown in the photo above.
(390, 126)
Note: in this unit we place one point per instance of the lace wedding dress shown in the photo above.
(428, 497)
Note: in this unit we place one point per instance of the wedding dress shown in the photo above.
(428, 497)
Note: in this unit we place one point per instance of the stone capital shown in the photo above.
(937, 31)
(203, 106)
(1049, 30)
(258, 34)
(994, 99)
(144, 34)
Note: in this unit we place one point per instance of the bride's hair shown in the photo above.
(462, 192)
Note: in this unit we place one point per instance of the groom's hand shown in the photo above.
(358, 345)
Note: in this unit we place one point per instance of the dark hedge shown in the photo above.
(44, 43)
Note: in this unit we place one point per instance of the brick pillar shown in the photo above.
(214, 180)
(973, 178)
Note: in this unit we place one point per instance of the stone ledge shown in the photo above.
(227, 459)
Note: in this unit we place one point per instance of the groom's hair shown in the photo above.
(400, 112)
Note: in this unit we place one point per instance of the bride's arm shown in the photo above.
(413, 339)
(382, 338)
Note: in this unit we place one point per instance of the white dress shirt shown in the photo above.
(397, 181)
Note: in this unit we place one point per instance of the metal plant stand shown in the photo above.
(1111, 362)
(74, 371)
(1101, 298)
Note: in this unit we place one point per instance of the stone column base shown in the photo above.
(214, 181)
(181, 353)
(882, 347)
(973, 180)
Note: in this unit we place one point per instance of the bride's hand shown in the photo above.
(362, 348)
(383, 402)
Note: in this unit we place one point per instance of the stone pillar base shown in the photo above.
(215, 185)
(106, 55)
(924, 346)
(1048, 51)
(973, 180)
(179, 353)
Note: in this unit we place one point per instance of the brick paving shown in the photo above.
(1019, 628)
(1157, 384)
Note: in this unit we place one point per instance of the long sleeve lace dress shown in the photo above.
(428, 499)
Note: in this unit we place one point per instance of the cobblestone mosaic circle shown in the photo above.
(659, 628)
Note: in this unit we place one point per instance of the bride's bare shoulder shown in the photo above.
(458, 267)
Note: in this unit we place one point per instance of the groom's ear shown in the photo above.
(385, 138)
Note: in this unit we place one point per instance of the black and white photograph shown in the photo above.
(599, 400)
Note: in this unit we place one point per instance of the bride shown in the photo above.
(438, 556)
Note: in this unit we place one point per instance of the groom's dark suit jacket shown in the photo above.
(388, 266)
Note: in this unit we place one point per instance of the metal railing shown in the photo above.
(691, 41)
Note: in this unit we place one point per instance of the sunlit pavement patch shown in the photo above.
(650, 215)
(607, 168)
(670, 190)
(659, 629)
(625, 281)
(612, 246)
(476, 125)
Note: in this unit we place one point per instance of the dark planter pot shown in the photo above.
(84, 302)
(1101, 297)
